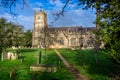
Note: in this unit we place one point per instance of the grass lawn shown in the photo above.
(84, 61)
(22, 69)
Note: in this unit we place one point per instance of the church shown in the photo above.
(60, 37)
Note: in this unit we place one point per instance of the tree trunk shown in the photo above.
(96, 47)
(45, 35)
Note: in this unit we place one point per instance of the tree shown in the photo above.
(28, 38)
(2, 32)
(107, 22)
(17, 35)
(110, 28)
(10, 34)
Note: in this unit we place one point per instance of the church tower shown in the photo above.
(40, 23)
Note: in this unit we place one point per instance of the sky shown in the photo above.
(74, 15)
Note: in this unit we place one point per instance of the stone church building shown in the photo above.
(60, 37)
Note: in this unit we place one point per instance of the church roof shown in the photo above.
(71, 29)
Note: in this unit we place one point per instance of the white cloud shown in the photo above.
(26, 21)
(38, 4)
(76, 17)
(73, 16)
(72, 5)
(7, 16)
(57, 3)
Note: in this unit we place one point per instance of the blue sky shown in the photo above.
(73, 16)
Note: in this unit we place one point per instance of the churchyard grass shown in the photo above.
(22, 70)
(84, 61)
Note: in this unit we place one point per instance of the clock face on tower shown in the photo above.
(39, 17)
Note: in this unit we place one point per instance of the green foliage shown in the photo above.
(13, 35)
(10, 34)
(107, 23)
(23, 74)
(4, 75)
(3, 40)
(84, 61)
(110, 28)
(23, 69)
(28, 38)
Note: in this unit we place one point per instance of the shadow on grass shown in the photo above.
(86, 59)
(23, 72)
(62, 72)
(21, 57)
(0, 56)
(28, 50)
(43, 76)
(85, 62)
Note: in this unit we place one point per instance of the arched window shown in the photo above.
(90, 42)
(61, 41)
(73, 41)
(81, 41)
(38, 17)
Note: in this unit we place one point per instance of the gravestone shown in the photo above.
(9, 56)
(43, 68)
(12, 56)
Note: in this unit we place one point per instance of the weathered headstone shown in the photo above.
(12, 56)
(9, 56)
(43, 68)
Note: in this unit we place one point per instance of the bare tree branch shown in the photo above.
(9, 4)
(24, 4)
(61, 13)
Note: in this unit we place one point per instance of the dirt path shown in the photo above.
(70, 67)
